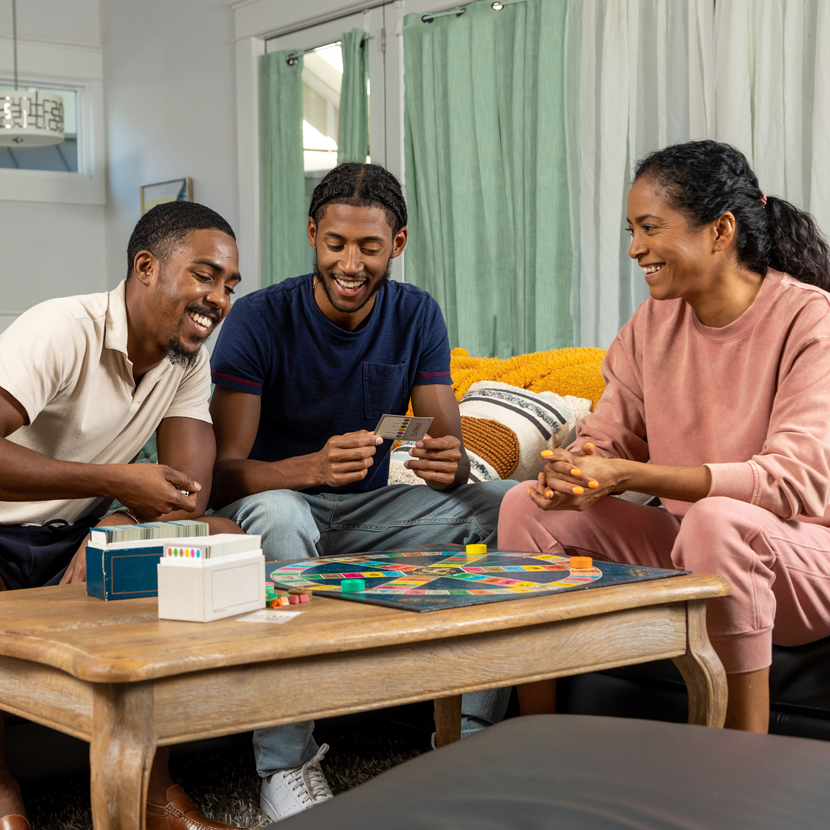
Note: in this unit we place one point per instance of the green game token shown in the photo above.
(351, 586)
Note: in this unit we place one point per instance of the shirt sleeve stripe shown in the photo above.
(236, 380)
(433, 375)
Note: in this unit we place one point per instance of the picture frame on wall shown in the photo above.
(176, 190)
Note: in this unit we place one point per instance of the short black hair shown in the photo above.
(360, 185)
(165, 226)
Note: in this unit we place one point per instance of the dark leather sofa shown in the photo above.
(799, 692)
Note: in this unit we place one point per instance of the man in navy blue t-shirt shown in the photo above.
(303, 371)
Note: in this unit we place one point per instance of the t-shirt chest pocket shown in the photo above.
(385, 388)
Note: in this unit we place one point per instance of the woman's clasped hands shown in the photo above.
(573, 480)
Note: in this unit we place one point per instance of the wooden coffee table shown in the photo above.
(115, 675)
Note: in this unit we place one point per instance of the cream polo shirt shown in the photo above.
(66, 362)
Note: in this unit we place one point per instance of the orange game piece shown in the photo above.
(581, 563)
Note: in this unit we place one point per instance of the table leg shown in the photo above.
(121, 754)
(702, 670)
(447, 720)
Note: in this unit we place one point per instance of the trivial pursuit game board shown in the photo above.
(432, 580)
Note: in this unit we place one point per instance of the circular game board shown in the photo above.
(453, 575)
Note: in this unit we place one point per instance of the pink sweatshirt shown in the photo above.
(750, 400)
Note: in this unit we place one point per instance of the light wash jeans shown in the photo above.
(295, 525)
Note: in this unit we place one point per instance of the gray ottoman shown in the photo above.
(572, 772)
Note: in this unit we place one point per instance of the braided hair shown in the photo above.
(165, 226)
(705, 179)
(360, 185)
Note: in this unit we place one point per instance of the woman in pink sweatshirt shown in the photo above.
(721, 380)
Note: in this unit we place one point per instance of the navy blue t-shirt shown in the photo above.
(317, 380)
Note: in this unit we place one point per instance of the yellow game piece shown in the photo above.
(476, 549)
(581, 563)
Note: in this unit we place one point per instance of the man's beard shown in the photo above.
(178, 356)
(334, 299)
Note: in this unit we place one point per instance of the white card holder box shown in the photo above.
(211, 589)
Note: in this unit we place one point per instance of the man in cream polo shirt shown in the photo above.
(84, 383)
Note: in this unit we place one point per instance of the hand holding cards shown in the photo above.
(436, 460)
(344, 458)
(402, 427)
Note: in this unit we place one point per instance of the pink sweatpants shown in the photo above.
(779, 570)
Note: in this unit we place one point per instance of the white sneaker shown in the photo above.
(290, 791)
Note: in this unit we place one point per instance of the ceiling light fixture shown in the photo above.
(29, 118)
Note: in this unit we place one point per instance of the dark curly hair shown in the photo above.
(705, 179)
(360, 185)
(164, 227)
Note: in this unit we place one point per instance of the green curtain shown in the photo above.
(353, 124)
(284, 204)
(487, 174)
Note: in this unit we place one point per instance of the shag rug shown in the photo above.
(224, 783)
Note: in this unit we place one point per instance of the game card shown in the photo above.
(270, 615)
(402, 427)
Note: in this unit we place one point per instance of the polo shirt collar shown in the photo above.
(115, 339)
(116, 325)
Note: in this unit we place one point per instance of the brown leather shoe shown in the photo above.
(180, 813)
(14, 822)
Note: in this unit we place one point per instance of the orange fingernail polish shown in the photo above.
(548, 494)
(574, 472)
(593, 484)
(578, 491)
(547, 453)
(528, 491)
(589, 444)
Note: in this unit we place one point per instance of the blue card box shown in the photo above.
(125, 573)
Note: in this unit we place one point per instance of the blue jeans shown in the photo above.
(295, 525)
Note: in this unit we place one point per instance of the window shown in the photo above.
(322, 76)
(72, 172)
(56, 157)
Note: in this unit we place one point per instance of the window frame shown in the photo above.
(61, 66)
(305, 26)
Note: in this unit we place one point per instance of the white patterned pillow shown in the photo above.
(507, 427)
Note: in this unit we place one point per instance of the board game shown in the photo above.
(432, 580)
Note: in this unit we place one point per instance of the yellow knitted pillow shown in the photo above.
(576, 372)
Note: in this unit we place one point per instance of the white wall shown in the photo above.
(49, 249)
(169, 97)
(58, 21)
(170, 111)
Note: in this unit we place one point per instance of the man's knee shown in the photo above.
(486, 495)
(218, 524)
(271, 511)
